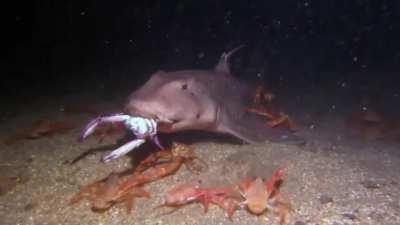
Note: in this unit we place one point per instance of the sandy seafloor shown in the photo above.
(335, 179)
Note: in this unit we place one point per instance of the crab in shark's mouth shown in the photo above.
(143, 128)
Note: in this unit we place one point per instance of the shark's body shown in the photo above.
(211, 100)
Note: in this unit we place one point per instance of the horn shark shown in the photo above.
(206, 100)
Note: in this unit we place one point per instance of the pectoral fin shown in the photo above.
(251, 129)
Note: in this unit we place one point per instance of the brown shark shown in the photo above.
(207, 100)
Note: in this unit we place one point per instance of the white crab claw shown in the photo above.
(92, 125)
(124, 149)
(89, 129)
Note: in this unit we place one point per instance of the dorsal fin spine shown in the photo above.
(223, 64)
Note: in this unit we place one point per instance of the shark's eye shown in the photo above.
(184, 86)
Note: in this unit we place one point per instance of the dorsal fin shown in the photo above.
(223, 65)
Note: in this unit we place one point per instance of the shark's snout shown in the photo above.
(138, 108)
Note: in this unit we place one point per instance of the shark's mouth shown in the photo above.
(165, 119)
(157, 117)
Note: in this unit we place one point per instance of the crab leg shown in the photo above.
(155, 140)
(124, 149)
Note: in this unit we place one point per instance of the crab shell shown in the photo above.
(256, 195)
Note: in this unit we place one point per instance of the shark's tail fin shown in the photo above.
(223, 65)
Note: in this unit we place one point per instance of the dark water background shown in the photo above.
(57, 48)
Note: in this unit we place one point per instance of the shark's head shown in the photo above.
(164, 97)
(176, 96)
